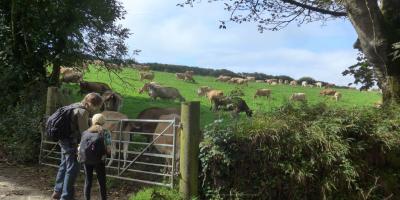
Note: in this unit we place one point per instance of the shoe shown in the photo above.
(56, 195)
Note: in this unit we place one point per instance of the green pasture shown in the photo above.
(127, 83)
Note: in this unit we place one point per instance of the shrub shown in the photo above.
(157, 193)
(304, 152)
(20, 132)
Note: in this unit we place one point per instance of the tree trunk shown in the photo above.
(376, 34)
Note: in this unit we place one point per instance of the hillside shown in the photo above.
(135, 102)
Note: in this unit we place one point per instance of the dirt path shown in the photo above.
(36, 182)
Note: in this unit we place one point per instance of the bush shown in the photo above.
(157, 193)
(20, 132)
(304, 152)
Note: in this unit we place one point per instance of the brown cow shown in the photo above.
(113, 124)
(167, 138)
(202, 91)
(112, 101)
(73, 77)
(152, 113)
(263, 92)
(146, 75)
(87, 87)
(327, 92)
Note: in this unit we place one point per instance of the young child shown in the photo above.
(94, 145)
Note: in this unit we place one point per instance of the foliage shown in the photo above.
(303, 152)
(238, 92)
(308, 79)
(157, 193)
(362, 72)
(34, 33)
(20, 132)
(396, 52)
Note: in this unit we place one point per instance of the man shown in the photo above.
(69, 167)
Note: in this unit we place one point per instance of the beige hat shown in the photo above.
(98, 119)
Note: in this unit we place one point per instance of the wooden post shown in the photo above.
(189, 150)
(52, 98)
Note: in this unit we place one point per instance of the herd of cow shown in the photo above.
(113, 102)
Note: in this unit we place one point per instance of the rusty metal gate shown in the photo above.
(136, 158)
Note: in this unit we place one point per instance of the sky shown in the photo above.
(169, 34)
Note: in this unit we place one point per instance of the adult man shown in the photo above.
(69, 167)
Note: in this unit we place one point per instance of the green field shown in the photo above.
(135, 102)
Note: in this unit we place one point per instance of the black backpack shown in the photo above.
(92, 148)
(58, 125)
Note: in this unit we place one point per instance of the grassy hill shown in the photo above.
(135, 102)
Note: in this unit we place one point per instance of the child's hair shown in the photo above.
(98, 120)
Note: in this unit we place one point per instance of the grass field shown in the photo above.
(135, 102)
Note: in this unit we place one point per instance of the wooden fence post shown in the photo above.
(189, 150)
(51, 102)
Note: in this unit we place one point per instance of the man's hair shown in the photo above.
(92, 99)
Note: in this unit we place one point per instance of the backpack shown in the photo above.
(58, 125)
(91, 148)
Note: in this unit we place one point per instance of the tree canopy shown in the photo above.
(35, 34)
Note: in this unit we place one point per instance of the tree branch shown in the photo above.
(320, 10)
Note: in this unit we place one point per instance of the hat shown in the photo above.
(98, 119)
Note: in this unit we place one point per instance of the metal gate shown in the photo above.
(144, 162)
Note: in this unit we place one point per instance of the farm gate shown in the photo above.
(143, 164)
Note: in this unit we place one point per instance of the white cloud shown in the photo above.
(190, 36)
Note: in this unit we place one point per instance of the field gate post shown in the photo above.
(189, 149)
(51, 101)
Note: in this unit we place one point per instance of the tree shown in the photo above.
(376, 22)
(59, 32)
(363, 73)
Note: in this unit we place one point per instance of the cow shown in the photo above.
(212, 94)
(112, 101)
(145, 87)
(294, 83)
(223, 78)
(251, 78)
(146, 75)
(113, 124)
(327, 92)
(235, 104)
(152, 113)
(286, 82)
(263, 92)
(164, 92)
(304, 84)
(180, 76)
(87, 87)
(260, 81)
(167, 139)
(337, 96)
(318, 84)
(298, 97)
(73, 77)
(202, 91)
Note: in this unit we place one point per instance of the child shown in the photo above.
(94, 145)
